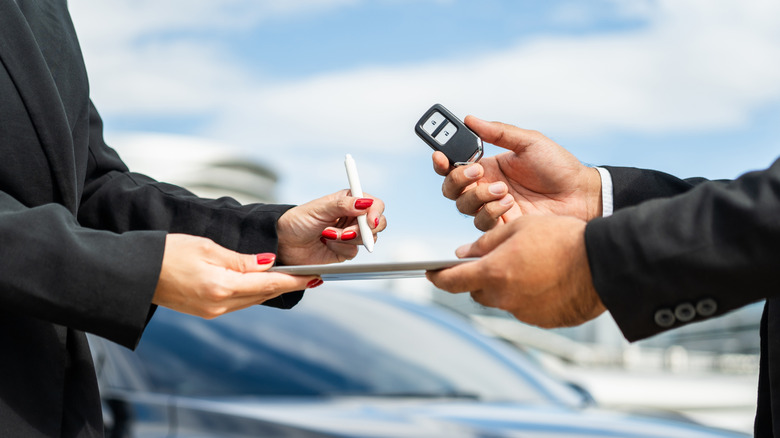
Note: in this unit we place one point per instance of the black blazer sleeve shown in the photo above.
(53, 269)
(118, 200)
(674, 242)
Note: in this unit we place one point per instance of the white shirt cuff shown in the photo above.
(606, 192)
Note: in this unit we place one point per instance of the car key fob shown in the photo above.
(444, 132)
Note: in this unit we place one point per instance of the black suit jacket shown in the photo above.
(679, 251)
(81, 237)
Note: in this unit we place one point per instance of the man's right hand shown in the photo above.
(535, 176)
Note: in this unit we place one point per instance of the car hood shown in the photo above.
(371, 417)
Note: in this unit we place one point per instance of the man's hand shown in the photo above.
(326, 230)
(534, 267)
(201, 278)
(536, 176)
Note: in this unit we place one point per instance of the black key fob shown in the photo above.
(444, 132)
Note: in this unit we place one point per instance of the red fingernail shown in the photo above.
(324, 240)
(314, 283)
(330, 234)
(363, 203)
(376, 222)
(265, 258)
(348, 235)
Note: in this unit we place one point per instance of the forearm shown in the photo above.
(714, 241)
(55, 270)
(126, 201)
(632, 186)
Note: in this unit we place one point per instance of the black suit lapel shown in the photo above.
(25, 63)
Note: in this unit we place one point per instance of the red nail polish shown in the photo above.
(314, 283)
(324, 240)
(265, 258)
(348, 235)
(330, 234)
(363, 203)
(376, 222)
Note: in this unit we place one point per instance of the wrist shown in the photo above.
(284, 229)
(588, 302)
(594, 200)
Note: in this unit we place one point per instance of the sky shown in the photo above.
(690, 87)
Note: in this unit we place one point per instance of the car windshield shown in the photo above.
(331, 344)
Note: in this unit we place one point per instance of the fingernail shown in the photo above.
(265, 258)
(363, 203)
(324, 240)
(496, 188)
(348, 235)
(471, 171)
(376, 222)
(507, 200)
(314, 283)
(330, 234)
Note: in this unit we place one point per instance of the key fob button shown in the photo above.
(446, 133)
(433, 122)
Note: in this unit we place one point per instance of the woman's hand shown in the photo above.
(326, 230)
(201, 278)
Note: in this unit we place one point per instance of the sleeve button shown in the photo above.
(707, 307)
(665, 318)
(685, 312)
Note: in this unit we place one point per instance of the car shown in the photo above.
(346, 363)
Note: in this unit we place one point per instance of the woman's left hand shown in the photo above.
(325, 230)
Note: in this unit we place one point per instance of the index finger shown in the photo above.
(464, 277)
(460, 179)
(263, 286)
(441, 164)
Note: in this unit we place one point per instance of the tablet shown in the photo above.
(370, 271)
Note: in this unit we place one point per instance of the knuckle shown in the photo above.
(483, 223)
(214, 312)
(447, 191)
(272, 285)
(216, 291)
(204, 245)
(465, 205)
(344, 203)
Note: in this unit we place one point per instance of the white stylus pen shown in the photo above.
(357, 191)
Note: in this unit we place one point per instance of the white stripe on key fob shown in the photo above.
(444, 132)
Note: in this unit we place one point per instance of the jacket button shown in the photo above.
(685, 312)
(664, 318)
(707, 307)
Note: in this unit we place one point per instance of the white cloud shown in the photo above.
(112, 20)
(696, 65)
(687, 71)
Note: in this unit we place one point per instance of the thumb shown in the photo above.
(244, 263)
(501, 134)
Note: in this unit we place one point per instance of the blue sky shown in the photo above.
(691, 87)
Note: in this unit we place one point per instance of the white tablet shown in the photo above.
(370, 271)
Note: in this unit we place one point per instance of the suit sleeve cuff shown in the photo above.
(607, 206)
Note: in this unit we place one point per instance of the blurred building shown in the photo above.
(208, 168)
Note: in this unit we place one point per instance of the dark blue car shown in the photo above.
(344, 364)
